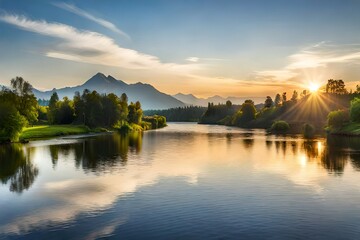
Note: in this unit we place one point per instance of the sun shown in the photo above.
(313, 87)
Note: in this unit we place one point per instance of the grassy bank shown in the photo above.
(46, 131)
(351, 129)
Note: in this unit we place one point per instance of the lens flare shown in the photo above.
(313, 87)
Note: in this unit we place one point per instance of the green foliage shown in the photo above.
(135, 113)
(308, 130)
(154, 121)
(60, 112)
(26, 102)
(215, 113)
(280, 127)
(268, 102)
(93, 109)
(180, 114)
(42, 113)
(355, 110)
(245, 115)
(336, 119)
(11, 122)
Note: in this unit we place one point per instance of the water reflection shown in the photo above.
(101, 153)
(16, 169)
(91, 175)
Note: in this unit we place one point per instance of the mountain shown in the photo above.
(190, 99)
(149, 97)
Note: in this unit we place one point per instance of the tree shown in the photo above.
(111, 109)
(11, 122)
(124, 111)
(277, 100)
(284, 97)
(336, 119)
(65, 111)
(335, 86)
(355, 110)
(248, 112)
(135, 113)
(303, 93)
(280, 127)
(53, 108)
(26, 101)
(268, 102)
(295, 96)
(228, 103)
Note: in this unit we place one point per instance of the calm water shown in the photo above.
(185, 181)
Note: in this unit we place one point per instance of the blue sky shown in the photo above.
(229, 48)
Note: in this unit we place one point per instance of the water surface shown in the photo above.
(185, 181)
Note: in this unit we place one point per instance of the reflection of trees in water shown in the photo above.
(281, 145)
(100, 153)
(107, 151)
(248, 143)
(331, 157)
(16, 168)
(348, 147)
(333, 160)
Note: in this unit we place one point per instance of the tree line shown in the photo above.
(179, 114)
(299, 107)
(19, 108)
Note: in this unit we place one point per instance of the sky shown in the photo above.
(229, 48)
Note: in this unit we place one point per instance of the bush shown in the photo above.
(355, 110)
(279, 127)
(308, 130)
(336, 119)
(11, 122)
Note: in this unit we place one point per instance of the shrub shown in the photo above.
(336, 119)
(11, 122)
(280, 127)
(308, 130)
(355, 110)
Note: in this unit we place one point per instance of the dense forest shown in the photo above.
(333, 108)
(20, 108)
(180, 114)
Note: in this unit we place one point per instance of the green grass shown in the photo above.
(348, 129)
(47, 131)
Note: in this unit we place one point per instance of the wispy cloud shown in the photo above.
(197, 59)
(314, 58)
(100, 21)
(192, 59)
(92, 47)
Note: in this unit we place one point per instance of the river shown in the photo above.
(185, 181)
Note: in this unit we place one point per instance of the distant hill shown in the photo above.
(149, 96)
(190, 99)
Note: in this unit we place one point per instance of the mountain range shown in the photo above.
(190, 99)
(149, 97)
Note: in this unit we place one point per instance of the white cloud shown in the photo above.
(100, 21)
(314, 59)
(192, 59)
(92, 47)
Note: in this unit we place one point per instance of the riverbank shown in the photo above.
(47, 131)
(351, 129)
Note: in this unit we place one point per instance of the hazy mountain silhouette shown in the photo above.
(149, 96)
(190, 99)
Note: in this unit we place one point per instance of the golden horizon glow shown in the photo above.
(313, 87)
